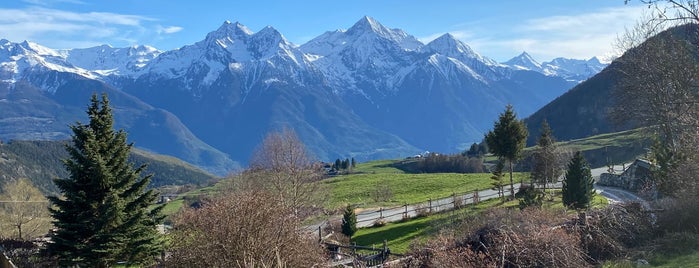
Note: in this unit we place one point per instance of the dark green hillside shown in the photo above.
(581, 112)
(585, 110)
(41, 161)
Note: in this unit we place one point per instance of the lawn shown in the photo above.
(359, 187)
(400, 235)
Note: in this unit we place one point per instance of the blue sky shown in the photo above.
(496, 29)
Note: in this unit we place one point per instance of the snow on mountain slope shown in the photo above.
(451, 47)
(22, 61)
(524, 61)
(573, 69)
(569, 69)
(362, 57)
(231, 47)
(107, 60)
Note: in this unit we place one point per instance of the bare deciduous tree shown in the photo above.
(242, 229)
(283, 166)
(658, 88)
(25, 209)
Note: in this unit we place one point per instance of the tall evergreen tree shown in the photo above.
(578, 185)
(103, 216)
(545, 168)
(507, 140)
(349, 221)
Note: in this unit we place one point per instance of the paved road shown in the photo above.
(368, 217)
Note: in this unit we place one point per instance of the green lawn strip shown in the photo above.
(400, 235)
(378, 166)
(690, 259)
(357, 189)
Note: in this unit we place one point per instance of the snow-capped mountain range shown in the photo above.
(570, 69)
(365, 92)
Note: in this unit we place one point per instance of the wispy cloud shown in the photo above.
(66, 29)
(169, 29)
(575, 36)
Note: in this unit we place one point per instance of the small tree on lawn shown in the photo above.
(349, 222)
(545, 168)
(498, 180)
(578, 184)
(507, 140)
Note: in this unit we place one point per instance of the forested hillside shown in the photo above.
(41, 162)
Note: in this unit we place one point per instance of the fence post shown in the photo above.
(430, 205)
(320, 235)
(476, 199)
(405, 213)
(453, 200)
(380, 213)
(384, 253)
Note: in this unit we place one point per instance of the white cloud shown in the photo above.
(169, 29)
(66, 29)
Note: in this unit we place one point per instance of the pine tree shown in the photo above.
(349, 222)
(498, 182)
(103, 216)
(507, 140)
(578, 184)
(545, 168)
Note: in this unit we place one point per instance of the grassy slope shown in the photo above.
(41, 162)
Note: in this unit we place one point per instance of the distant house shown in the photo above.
(637, 177)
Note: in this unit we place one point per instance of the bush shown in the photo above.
(505, 238)
(529, 197)
(382, 192)
(608, 233)
(239, 230)
(679, 214)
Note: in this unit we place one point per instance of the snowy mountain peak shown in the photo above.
(447, 44)
(524, 62)
(107, 60)
(368, 25)
(230, 30)
(569, 69)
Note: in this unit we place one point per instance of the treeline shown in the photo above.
(442, 163)
(41, 162)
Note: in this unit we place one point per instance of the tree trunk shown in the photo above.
(19, 230)
(512, 183)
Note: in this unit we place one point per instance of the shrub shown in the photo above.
(241, 229)
(529, 197)
(422, 210)
(505, 238)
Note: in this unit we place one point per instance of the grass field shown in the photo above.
(400, 235)
(358, 188)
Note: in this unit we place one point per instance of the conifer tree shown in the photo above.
(103, 215)
(545, 168)
(498, 182)
(349, 221)
(507, 140)
(578, 184)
